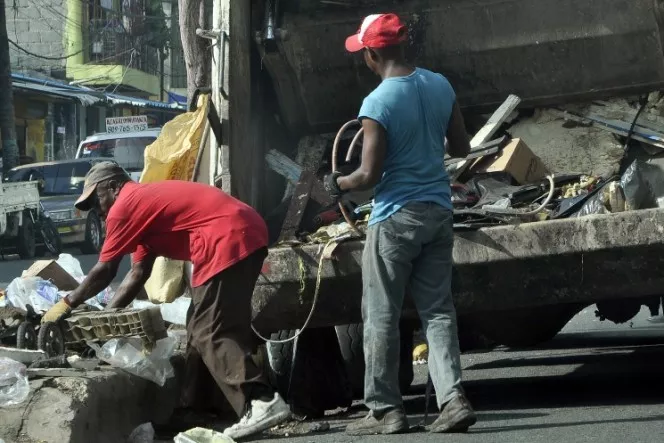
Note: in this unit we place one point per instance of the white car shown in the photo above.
(126, 148)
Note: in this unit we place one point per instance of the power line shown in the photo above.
(44, 57)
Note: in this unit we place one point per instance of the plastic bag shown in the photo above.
(128, 354)
(202, 435)
(175, 312)
(166, 283)
(142, 434)
(35, 291)
(643, 185)
(14, 386)
(71, 264)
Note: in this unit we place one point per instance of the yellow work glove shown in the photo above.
(59, 311)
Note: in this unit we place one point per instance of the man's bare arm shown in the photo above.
(373, 155)
(132, 283)
(99, 277)
(457, 138)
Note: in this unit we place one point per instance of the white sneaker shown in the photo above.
(259, 417)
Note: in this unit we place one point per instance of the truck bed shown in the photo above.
(18, 196)
(576, 260)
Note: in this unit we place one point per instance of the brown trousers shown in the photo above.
(220, 339)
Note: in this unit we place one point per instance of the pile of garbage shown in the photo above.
(544, 164)
(46, 282)
(134, 340)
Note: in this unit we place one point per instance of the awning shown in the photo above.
(143, 103)
(87, 96)
(84, 97)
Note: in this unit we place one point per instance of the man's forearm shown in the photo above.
(357, 181)
(128, 290)
(99, 277)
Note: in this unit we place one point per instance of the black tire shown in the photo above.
(26, 337)
(351, 338)
(280, 358)
(94, 237)
(51, 237)
(51, 340)
(26, 243)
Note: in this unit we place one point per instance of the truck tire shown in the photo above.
(526, 326)
(618, 311)
(280, 359)
(351, 337)
(93, 235)
(26, 243)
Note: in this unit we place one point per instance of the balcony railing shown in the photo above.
(111, 44)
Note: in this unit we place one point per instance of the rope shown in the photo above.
(313, 304)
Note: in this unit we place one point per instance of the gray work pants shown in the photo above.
(410, 251)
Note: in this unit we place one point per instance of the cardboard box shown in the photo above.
(50, 270)
(516, 159)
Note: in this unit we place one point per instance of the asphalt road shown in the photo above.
(595, 382)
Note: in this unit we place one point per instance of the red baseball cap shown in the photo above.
(377, 31)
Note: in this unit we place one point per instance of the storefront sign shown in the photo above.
(134, 123)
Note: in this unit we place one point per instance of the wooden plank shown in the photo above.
(488, 130)
(283, 165)
(495, 121)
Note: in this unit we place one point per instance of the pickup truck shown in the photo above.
(19, 203)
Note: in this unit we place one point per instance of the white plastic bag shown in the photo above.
(142, 434)
(202, 435)
(128, 355)
(175, 312)
(35, 291)
(14, 386)
(71, 264)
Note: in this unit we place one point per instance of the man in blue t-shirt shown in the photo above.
(406, 120)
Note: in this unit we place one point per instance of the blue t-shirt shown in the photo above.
(415, 111)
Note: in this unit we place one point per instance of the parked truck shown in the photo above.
(283, 82)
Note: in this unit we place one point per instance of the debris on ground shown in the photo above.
(296, 427)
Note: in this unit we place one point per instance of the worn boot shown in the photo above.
(393, 421)
(456, 416)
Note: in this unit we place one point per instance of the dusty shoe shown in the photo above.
(457, 416)
(393, 421)
(260, 416)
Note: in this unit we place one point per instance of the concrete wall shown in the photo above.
(38, 26)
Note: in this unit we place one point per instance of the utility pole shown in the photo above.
(7, 123)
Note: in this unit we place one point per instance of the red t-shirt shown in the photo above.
(183, 221)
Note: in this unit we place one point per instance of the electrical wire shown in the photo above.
(511, 211)
(131, 60)
(43, 57)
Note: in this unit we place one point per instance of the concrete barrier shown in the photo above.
(102, 407)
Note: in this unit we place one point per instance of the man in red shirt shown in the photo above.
(226, 242)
